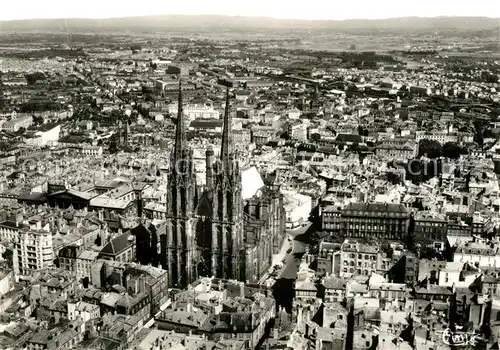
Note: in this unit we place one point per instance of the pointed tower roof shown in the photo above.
(180, 130)
(227, 136)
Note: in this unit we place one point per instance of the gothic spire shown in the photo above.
(227, 136)
(180, 130)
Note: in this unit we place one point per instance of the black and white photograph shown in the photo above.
(249, 175)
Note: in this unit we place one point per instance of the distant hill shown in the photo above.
(166, 23)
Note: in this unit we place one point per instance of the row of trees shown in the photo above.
(433, 149)
(32, 78)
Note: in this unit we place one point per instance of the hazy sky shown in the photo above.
(300, 9)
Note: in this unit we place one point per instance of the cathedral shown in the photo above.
(221, 228)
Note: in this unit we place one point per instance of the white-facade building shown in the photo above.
(297, 209)
(9, 230)
(90, 150)
(441, 137)
(6, 282)
(294, 113)
(33, 251)
(195, 111)
(17, 123)
(83, 310)
(84, 264)
(45, 138)
(478, 254)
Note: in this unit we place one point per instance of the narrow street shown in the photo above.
(283, 289)
(289, 262)
(287, 259)
(278, 258)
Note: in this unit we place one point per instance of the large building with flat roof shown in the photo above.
(368, 220)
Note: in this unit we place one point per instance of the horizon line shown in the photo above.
(244, 16)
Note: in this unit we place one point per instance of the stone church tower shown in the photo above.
(227, 235)
(217, 233)
(178, 247)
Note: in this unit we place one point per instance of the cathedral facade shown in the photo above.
(212, 230)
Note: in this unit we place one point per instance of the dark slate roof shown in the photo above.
(14, 175)
(141, 230)
(71, 193)
(349, 138)
(76, 139)
(117, 245)
(242, 93)
(9, 224)
(362, 209)
(35, 196)
(206, 123)
(434, 289)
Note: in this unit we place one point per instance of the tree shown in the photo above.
(452, 150)
(116, 115)
(32, 78)
(38, 120)
(135, 48)
(430, 148)
(315, 137)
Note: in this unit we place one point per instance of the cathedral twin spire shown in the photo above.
(227, 138)
(224, 233)
(180, 130)
(227, 152)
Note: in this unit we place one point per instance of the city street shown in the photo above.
(288, 260)
(291, 263)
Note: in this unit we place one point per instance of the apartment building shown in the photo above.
(478, 254)
(358, 259)
(17, 123)
(84, 262)
(328, 258)
(9, 230)
(401, 152)
(195, 111)
(421, 90)
(433, 226)
(33, 251)
(442, 137)
(331, 218)
(371, 220)
(376, 220)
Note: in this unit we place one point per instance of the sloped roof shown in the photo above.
(333, 282)
(349, 138)
(117, 245)
(383, 208)
(129, 301)
(72, 193)
(306, 284)
(206, 123)
(106, 202)
(141, 230)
